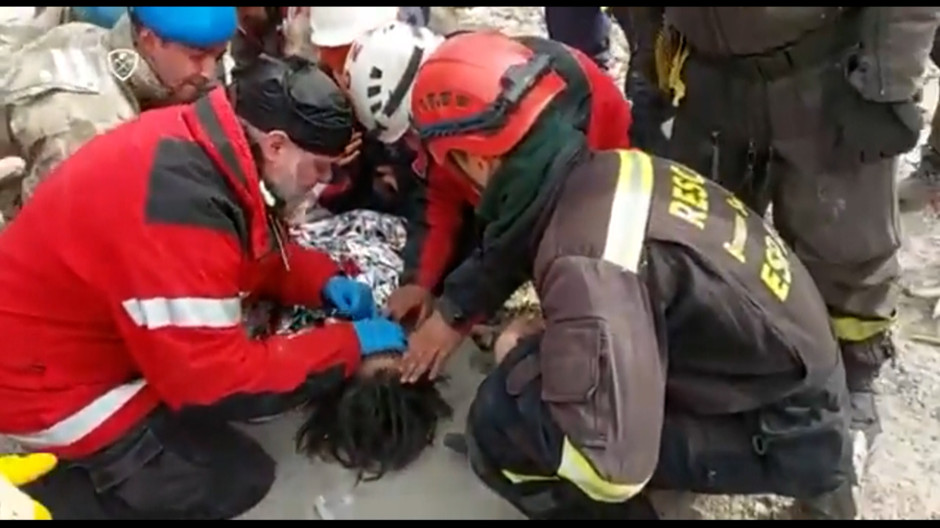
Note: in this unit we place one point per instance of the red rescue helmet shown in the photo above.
(481, 92)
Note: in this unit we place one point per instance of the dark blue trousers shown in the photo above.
(584, 28)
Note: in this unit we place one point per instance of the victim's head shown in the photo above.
(372, 423)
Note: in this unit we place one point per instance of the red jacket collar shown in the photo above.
(215, 127)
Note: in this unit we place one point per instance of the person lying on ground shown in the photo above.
(121, 307)
(366, 244)
(684, 346)
(372, 423)
(441, 231)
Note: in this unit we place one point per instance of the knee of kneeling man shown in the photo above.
(491, 400)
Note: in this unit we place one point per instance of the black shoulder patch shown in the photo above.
(186, 188)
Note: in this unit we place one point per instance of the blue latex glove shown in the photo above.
(351, 299)
(378, 334)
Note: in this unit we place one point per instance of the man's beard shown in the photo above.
(199, 88)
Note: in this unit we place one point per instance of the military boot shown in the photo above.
(863, 361)
(923, 185)
(839, 504)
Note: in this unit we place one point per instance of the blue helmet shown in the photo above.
(105, 17)
(197, 27)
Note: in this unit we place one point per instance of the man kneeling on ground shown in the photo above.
(684, 346)
(121, 305)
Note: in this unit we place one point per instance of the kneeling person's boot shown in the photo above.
(838, 504)
(547, 500)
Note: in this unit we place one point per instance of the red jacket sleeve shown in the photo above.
(303, 283)
(176, 294)
(433, 234)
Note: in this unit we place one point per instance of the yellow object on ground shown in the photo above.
(18, 470)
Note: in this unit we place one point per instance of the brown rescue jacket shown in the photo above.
(657, 283)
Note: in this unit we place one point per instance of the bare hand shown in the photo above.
(296, 31)
(385, 174)
(428, 349)
(411, 304)
(517, 330)
(352, 150)
(935, 203)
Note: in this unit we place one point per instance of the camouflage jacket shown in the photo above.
(60, 89)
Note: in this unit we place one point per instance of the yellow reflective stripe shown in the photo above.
(629, 210)
(578, 470)
(854, 329)
(518, 478)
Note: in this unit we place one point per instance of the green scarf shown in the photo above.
(517, 182)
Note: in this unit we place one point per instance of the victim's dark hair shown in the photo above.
(373, 424)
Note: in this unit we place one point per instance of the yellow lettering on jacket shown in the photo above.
(735, 247)
(689, 196)
(775, 272)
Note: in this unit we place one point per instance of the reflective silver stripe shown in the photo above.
(80, 424)
(629, 210)
(184, 312)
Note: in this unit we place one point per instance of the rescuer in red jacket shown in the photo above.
(122, 286)
(438, 234)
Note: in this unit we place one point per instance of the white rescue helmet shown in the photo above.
(381, 68)
(17, 15)
(339, 26)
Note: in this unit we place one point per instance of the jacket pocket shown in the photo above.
(867, 131)
(805, 444)
(570, 359)
(150, 479)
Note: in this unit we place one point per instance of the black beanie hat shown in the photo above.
(293, 95)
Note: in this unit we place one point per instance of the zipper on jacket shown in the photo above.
(278, 240)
